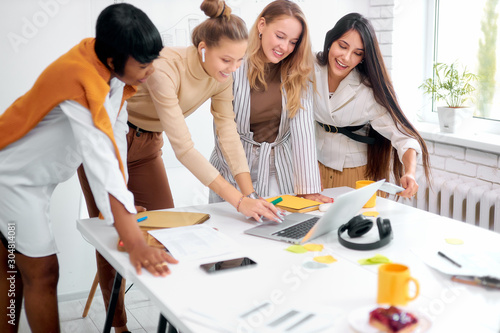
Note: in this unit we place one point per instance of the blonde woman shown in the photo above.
(273, 106)
(184, 79)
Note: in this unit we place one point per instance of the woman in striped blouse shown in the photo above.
(273, 106)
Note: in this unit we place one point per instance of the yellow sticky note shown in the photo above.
(454, 241)
(296, 249)
(325, 259)
(313, 247)
(371, 213)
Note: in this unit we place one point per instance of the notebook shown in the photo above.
(299, 228)
(164, 219)
(296, 204)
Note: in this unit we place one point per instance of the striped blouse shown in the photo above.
(294, 148)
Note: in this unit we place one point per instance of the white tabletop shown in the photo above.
(342, 291)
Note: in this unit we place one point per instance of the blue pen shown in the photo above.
(142, 219)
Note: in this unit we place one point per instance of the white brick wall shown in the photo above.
(382, 3)
(481, 157)
(464, 163)
(449, 151)
(381, 15)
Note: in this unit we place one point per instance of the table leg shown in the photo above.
(164, 326)
(112, 303)
(171, 328)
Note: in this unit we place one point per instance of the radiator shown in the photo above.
(468, 201)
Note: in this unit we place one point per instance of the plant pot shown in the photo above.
(452, 120)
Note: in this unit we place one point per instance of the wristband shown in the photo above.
(239, 202)
(253, 195)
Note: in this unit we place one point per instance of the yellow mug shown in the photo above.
(393, 285)
(371, 202)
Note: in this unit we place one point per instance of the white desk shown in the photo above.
(340, 289)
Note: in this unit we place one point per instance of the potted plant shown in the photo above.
(454, 86)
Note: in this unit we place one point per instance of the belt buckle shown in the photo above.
(328, 129)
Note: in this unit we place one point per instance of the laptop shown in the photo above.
(298, 228)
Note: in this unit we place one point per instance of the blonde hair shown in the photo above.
(220, 24)
(296, 68)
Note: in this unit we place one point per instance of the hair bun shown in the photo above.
(215, 8)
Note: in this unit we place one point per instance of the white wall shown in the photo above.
(35, 32)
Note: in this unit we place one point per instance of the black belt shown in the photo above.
(348, 131)
(137, 129)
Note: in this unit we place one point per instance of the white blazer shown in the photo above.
(353, 103)
(294, 148)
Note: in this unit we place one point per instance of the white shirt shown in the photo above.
(353, 103)
(49, 154)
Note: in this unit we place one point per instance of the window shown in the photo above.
(443, 31)
(468, 34)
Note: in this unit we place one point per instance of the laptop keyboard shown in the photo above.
(298, 230)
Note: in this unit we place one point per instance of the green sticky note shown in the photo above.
(296, 249)
(375, 260)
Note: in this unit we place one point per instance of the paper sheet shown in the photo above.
(194, 242)
(306, 318)
(474, 262)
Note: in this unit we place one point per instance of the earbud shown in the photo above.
(203, 55)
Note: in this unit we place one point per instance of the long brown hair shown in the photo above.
(374, 75)
(296, 68)
(220, 24)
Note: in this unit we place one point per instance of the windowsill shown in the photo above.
(482, 141)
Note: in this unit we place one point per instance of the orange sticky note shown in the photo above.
(313, 247)
(371, 213)
(325, 259)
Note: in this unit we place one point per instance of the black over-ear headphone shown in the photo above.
(358, 226)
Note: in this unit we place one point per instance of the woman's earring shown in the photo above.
(203, 55)
(260, 35)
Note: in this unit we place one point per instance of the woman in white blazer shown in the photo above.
(360, 126)
(273, 106)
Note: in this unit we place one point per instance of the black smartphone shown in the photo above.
(217, 266)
